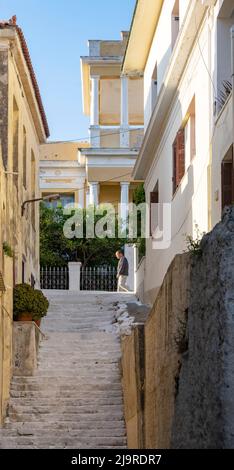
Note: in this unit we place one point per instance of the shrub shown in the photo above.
(29, 300)
(7, 250)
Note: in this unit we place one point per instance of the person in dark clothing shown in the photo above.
(122, 271)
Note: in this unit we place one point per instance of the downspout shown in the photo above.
(211, 123)
(232, 48)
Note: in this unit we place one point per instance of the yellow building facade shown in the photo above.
(100, 170)
(23, 127)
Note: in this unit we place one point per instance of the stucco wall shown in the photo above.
(133, 382)
(161, 352)
(151, 362)
(222, 142)
(189, 204)
(4, 105)
(6, 267)
(204, 412)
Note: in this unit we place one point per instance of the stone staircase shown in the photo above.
(74, 400)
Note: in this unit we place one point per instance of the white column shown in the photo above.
(94, 194)
(94, 136)
(74, 276)
(87, 197)
(130, 251)
(94, 111)
(124, 201)
(81, 196)
(124, 126)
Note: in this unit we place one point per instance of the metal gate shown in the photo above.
(98, 278)
(54, 277)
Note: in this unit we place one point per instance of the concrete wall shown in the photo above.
(188, 347)
(162, 357)
(26, 337)
(140, 276)
(6, 319)
(133, 386)
(204, 412)
(151, 362)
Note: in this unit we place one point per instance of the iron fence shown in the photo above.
(54, 277)
(98, 278)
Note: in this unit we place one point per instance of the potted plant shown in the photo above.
(29, 304)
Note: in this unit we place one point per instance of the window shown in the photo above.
(65, 198)
(184, 146)
(23, 272)
(175, 23)
(227, 178)
(178, 159)
(190, 134)
(24, 158)
(154, 199)
(154, 87)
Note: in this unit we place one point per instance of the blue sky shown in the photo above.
(57, 32)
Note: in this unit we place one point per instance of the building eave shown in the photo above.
(98, 152)
(17, 43)
(144, 23)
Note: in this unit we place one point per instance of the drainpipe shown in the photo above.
(232, 46)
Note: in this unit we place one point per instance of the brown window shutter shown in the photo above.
(180, 155)
(178, 159)
(154, 199)
(227, 183)
(174, 166)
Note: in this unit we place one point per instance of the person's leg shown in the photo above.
(122, 284)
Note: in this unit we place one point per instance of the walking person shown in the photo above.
(122, 271)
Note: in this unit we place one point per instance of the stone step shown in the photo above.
(83, 441)
(58, 433)
(99, 401)
(66, 426)
(75, 398)
(56, 417)
(73, 375)
(74, 408)
(86, 385)
(81, 394)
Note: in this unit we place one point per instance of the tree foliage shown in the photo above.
(57, 250)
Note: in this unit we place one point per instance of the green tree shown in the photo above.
(57, 250)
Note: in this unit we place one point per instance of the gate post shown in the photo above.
(130, 252)
(74, 275)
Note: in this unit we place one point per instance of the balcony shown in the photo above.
(116, 137)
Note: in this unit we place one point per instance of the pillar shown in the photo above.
(124, 125)
(94, 111)
(124, 201)
(74, 275)
(94, 194)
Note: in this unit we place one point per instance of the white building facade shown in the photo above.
(186, 158)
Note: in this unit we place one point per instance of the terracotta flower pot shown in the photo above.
(25, 316)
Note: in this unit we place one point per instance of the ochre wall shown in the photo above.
(61, 150)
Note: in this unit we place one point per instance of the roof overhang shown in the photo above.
(13, 37)
(144, 23)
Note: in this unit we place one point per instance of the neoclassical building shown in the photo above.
(100, 171)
